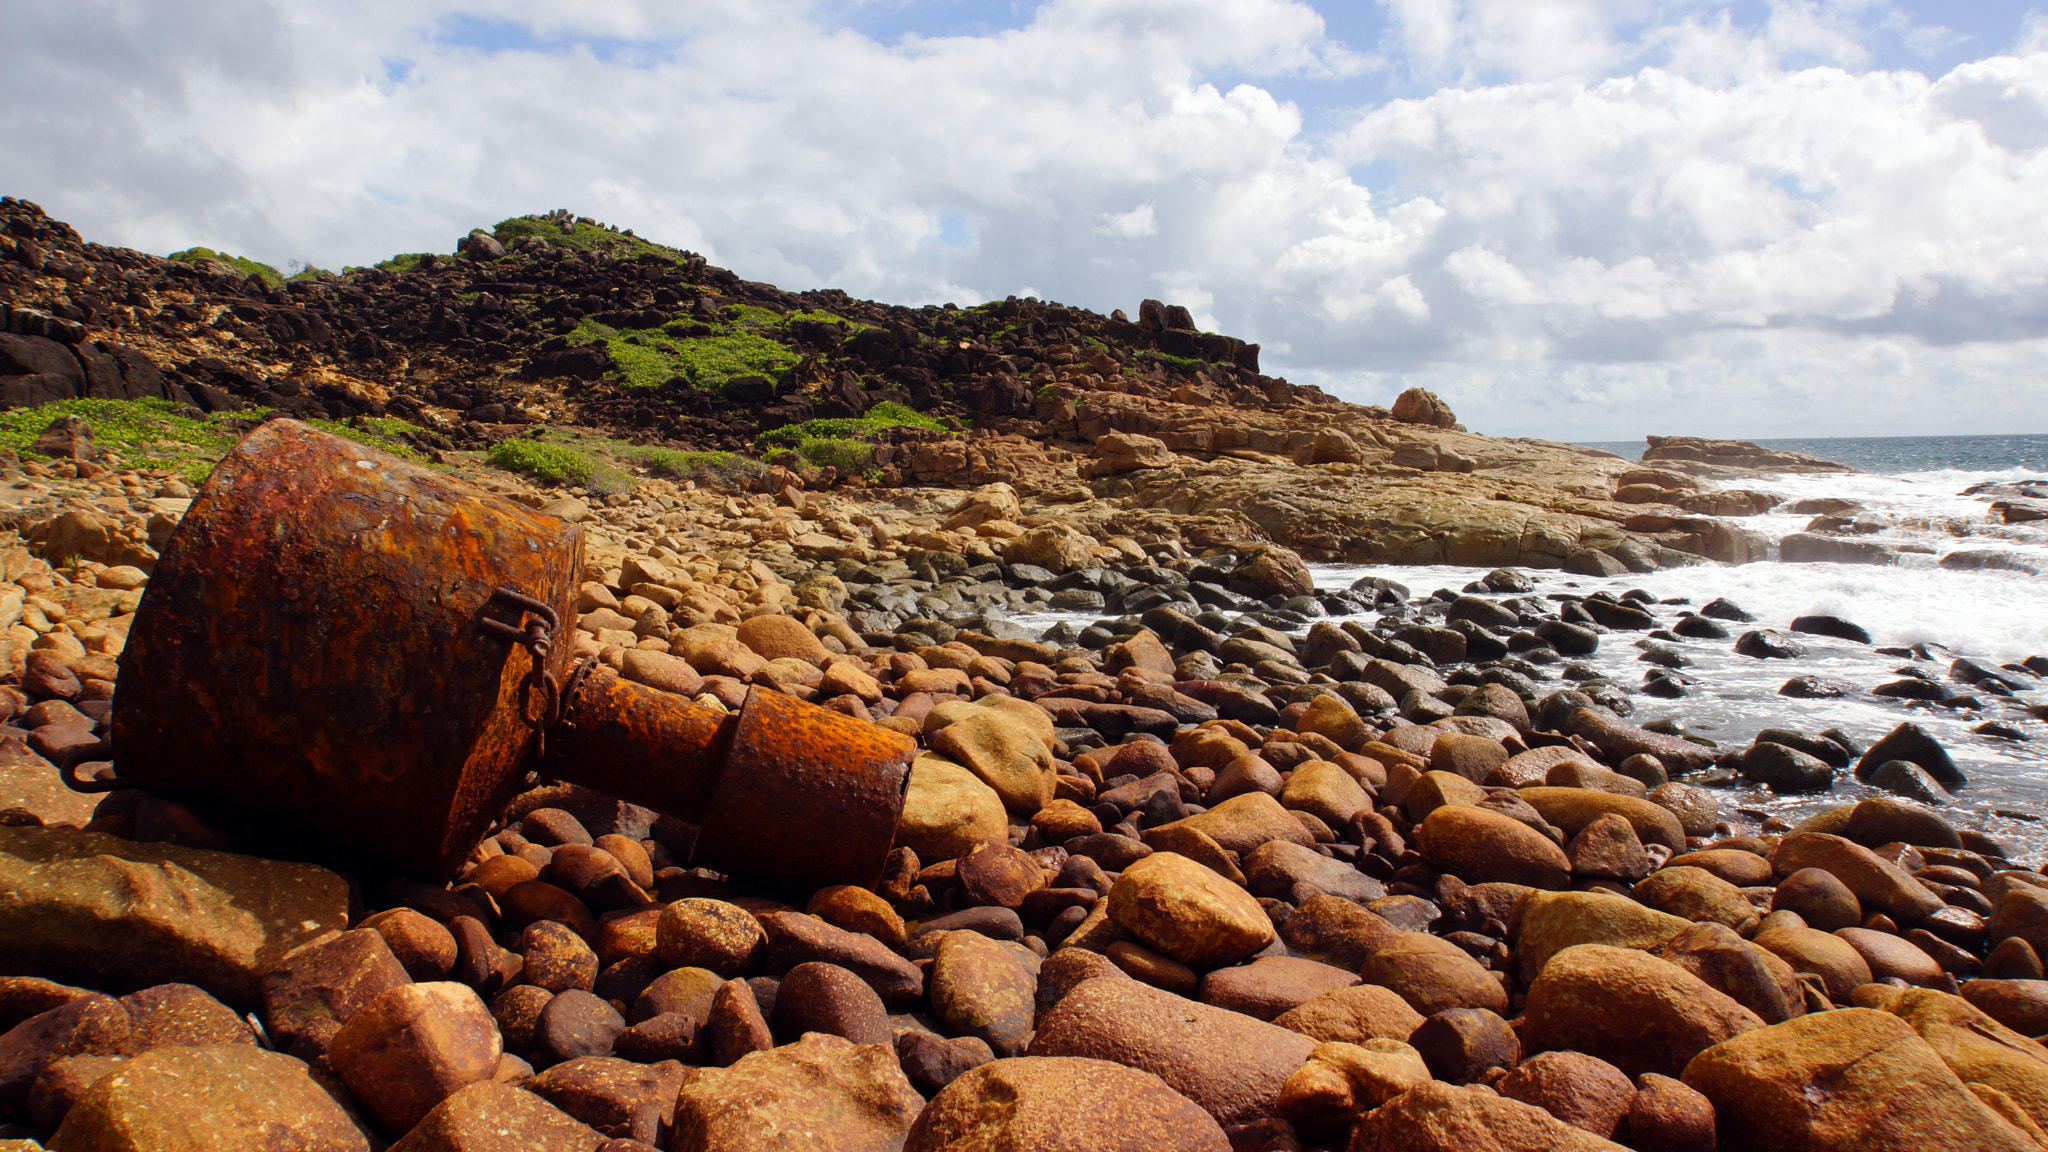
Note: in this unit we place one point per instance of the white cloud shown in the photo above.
(1619, 215)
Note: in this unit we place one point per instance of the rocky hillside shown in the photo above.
(1147, 428)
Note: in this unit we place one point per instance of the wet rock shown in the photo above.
(1881, 820)
(1229, 1064)
(1813, 688)
(1912, 743)
(1832, 626)
(1786, 769)
(1578, 1089)
(1438, 1117)
(492, 1117)
(1768, 644)
(821, 1093)
(1607, 849)
(214, 1096)
(412, 1047)
(1188, 912)
(1336, 930)
(1905, 778)
(1891, 957)
(1063, 1104)
(1634, 1011)
(1843, 1081)
(1617, 741)
(118, 914)
(1570, 810)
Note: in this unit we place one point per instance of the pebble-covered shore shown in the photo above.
(1217, 873)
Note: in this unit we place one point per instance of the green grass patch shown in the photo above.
(815, 316)
(1185, 363)
(242, 264)
(888, 414)
(649, 358)
(851, 457)
(142, 433)
(579, 237)
(552, 463)
(724, 469)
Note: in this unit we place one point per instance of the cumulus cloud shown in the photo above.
(1587, 219)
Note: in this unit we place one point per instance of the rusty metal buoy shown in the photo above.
(369, 654)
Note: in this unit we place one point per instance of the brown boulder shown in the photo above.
(1062, 1104)
(1272, 985)
(492, 1117)
(820, 1094)
(1852, 1080)
(413, 1047)
(1578, 1089)
(983, 988)
(1879, 884)
(1571, 809)
(226, 1096)
(1479, 846)
(1629, 1008)
(1433, 974)
(1188, 912)
(1228, 1063)
(1420, 406)
(1353, 1015)
(1547, 923)
(1439, 1117)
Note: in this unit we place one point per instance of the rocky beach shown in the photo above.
(558, 694)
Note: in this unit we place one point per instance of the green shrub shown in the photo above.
(242, 264)
(550, 462)
(724, 469)
(888, 414)
(851, 457)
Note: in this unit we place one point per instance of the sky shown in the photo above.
(1574, 219)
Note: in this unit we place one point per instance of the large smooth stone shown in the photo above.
(1636, 1012)
(88, 908)
(1230, 1064)
(820, 1094)
(1062, 1104)
(1479, 846)
(1188, 912)
(1852, 1080)
(222, 1096)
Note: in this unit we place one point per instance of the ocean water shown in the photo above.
(1911, 495)
(1891, 455)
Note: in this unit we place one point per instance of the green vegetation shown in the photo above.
(1184, 363)
(722, 469)
(850, 457)
(142, 433)
(242, 264)
(888, 414)
(579, 237)
(851, 326)
(551, 463)
(650, 358)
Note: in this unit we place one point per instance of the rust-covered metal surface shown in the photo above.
(808, 796)
(308, 656)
